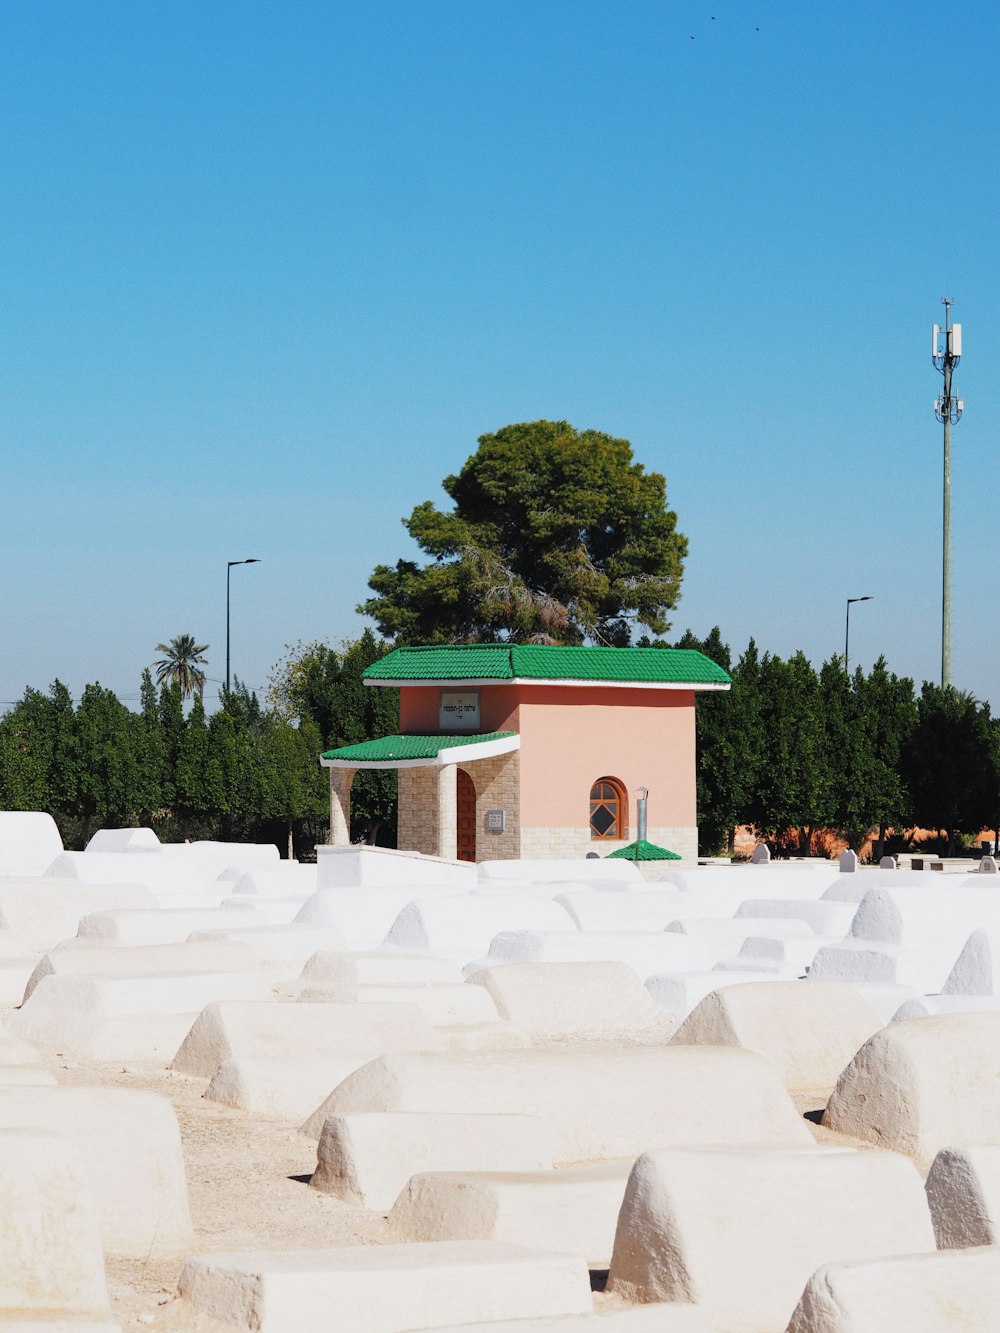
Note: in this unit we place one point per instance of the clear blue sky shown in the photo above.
(268, 270)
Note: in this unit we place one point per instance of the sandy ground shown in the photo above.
(247, 1184)
(248, 1188)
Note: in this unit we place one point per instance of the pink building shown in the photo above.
(512, 751)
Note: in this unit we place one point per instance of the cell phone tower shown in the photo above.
(948, 411)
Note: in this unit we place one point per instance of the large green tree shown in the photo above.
(556, 535)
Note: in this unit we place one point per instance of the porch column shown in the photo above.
(447, 812)
(340, 806)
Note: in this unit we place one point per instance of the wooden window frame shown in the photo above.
(619, 831)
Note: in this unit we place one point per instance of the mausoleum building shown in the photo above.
(510, 750)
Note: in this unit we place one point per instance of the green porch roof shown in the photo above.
(388, 749)
(652, 666)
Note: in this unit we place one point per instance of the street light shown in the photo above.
(847, 631)
(229, 564)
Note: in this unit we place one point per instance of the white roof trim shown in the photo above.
(579, 684)
(452, 754)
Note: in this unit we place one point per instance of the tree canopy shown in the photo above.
(556, 536)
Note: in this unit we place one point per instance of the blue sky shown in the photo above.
(267, 271)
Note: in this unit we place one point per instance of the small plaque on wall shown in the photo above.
(459, 710)
(496, 821)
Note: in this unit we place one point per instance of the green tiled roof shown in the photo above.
(410, 747)
(644, 851)
(534, 662)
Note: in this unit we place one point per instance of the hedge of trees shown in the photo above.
(249, 772)
(791, 750)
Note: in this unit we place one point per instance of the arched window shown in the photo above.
(608, 809)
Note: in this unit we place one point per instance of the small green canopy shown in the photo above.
(643, 851)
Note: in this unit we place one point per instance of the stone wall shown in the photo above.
(573, 842)
(427, 810)
(496, 783)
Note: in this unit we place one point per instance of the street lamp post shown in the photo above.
(847, 631)
(229, 565)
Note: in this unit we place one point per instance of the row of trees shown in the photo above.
(250, 772)
(791, 750)
(788, 751)
(554, 536)
(244, 773)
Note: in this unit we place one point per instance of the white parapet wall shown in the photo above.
(358, 867)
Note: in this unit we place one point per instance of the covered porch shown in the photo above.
(458, 795)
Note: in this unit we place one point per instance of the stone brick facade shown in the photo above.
(427, 813)
(427, 819)
(577, 842)
(496, 783)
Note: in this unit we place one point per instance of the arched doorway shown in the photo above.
(465, 806)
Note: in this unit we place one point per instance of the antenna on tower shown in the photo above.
(946, 355)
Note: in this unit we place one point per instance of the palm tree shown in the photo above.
(180, 666)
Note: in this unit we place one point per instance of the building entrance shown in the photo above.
(465, 801)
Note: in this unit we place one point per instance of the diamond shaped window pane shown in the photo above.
(602, 821)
